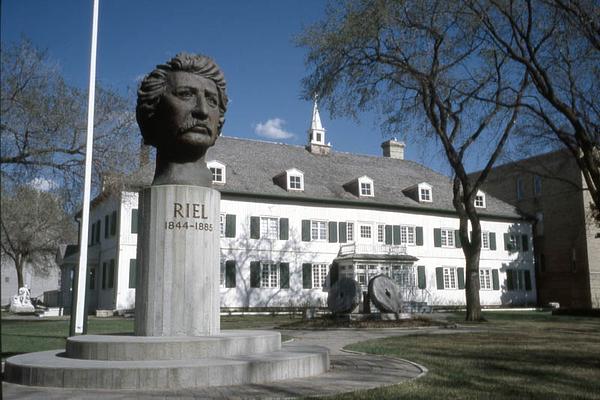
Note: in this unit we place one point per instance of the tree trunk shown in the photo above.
(472, 287)
(19, 267)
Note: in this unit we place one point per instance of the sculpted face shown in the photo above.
(189, 114)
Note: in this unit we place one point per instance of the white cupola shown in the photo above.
(316, 133)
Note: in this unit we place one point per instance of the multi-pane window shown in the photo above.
(485, 240)
(222, 274)
(407, 235)
(520, 190)
(365, 231)
(480, 200)
(217, 174)
(512, 244)
(295, 182)
(318, 230)
(485, 279)
(269, 227)
(447, 236)
(365, 189)
(350, 231)
(319, 275)
(222, 224)
(380, 233)
(403, 275)
(537, 185)
(425, 194)
(269, 275)
(449, 278)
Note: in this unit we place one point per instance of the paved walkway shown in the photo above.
(348, 373)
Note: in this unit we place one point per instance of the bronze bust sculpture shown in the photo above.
(180, 110)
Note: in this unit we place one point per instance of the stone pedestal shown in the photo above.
(178, 254)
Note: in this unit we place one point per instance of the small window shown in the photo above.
(450, 278)
(295, 182)
(319, 138)
(365, 231)
(318, 230)
(537, 185)
(520, 190)
(447, 236)
(365, 187)
(319, 275)
(217, 169)
(407, 235)
(380, 233)
(350, 231)
(485, 279)
(269, 227)
(425, 193)
(485, 240)
(269, 275)
(222, 219)
(480, 200)
(295, 179)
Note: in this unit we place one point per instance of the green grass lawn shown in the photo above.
(25, 336)
(517, 356)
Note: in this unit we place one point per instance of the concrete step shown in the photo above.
(138, 348)
(54, 369)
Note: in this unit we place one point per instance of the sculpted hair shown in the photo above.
(155, 83)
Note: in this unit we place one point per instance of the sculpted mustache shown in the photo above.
(193, 123)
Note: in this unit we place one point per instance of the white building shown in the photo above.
(295, 218)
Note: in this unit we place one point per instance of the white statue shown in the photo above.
(21, 303)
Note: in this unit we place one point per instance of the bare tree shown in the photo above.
(425, 68)
(33, 225)
(43, 124)
(558, 43)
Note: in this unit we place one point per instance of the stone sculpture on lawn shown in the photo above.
(21, 303)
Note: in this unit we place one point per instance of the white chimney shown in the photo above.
(393, 149)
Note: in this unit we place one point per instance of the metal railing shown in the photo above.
(366, 248)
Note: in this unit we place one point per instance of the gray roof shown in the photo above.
(251, 166)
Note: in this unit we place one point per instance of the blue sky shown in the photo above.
(252, 41)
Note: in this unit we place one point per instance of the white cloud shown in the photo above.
(42, 184)
(273, 129)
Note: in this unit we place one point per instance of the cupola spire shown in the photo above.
(316, 133)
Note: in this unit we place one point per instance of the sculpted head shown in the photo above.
(181, 106)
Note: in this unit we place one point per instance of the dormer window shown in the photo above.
(425, 194)
(295, 179)
(365, 187)
(480, 200)
(217, 170)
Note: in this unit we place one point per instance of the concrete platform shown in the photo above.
(53, 369)
(140, 348)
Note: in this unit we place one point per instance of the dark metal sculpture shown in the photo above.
(181, 110)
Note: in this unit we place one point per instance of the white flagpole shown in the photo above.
(79, 301)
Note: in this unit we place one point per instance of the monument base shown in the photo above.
(130, 362)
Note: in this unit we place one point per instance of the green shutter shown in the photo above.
(527, 280)
(419, 236)
(113, 223)
(492, 241)
(307, 276)
(92, 234)
(437, 237)
(510, 283)
(104, 275)
(396, 234)
(507, 242)
(284, 229)
(284, 275)
(106, 226)
(230, 225)
(334, 273)
(388, 234)
(525, 241)
(111, 274)
(306, 230)
(230, 273)
(132, 273)
(421, 277)
(457, 241)
(461, 277)
(343, 231)
(255, 274)
(98, 230)
(134, 220)
(254, 227)
(495, 279)
(332, 232)
(439, 277)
